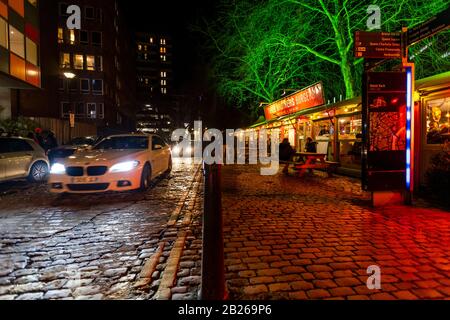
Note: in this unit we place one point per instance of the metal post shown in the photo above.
(213, 269)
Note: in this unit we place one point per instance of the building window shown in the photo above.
(151, 40)
(89, 13)
(162, 41)
(60, 35)
(32, 52)
(65, 60)
(96, 38)
(63, 9)
(80, 111)
(3, 33)
(100, 15)
(101, 111)
(92, 111)
(163, 74)
(90, 63)
(72, 36)
(65, 109)
(85, 85)
(73, 85)
(97, 86)
(61, 84)
(84, 37)
(139, 47)
(163, 58)
(17, 41)
(163, 82)
(79, 62)
(145, 56)
(99, 63)
(162, 50)
(164, 90)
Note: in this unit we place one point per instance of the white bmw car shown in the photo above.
(117, 163)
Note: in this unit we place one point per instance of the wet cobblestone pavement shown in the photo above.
(105, 246)
(314, 238)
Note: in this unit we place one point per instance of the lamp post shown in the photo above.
(69, 76)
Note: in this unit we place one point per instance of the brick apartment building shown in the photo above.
(100, 56)
(19, 50)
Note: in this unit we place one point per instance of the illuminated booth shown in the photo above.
(337, 127)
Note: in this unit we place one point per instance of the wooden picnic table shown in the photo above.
(307, 161)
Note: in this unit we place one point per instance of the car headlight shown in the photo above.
(176, 150)
(58, 168)
(124, 166)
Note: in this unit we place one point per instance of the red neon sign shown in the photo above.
(304, 99)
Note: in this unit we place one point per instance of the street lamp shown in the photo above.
(69, 76)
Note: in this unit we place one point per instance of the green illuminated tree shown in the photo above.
(262, 47)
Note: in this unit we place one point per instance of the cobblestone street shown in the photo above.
(111, 246)
(314, 237)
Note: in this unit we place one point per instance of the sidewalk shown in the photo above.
(314, 237)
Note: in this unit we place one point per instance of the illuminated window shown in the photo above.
(90, 63)
(17, 41)
(139, 47)
(162, 50)
(163, 90)
(163, 82)
(92, 111)
(32, 52)
(145, 48)
(151, 39)
(162, 41)
(60, 35)
(145, 56)
(72, 36)
(163, 58)
(163, 74)
(78, 62)
(3, 33)
(65, 60)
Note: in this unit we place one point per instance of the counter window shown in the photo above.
(438, 121)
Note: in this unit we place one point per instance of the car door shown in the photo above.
(158, 152)
(18, 158)
(3, 160)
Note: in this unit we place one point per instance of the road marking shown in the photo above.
(150, 266)
(171, 269)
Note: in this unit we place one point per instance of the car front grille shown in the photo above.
(75, 171)
(96, 171)
(88, 187)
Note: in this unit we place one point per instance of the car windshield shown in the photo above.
(82, 141)
(123, 143)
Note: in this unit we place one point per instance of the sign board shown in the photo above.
(304, 99)
(424, 30)
(385, 107)
(72, 119)
(378, 45)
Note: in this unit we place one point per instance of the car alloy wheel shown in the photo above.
(146, 178)
(39, 172)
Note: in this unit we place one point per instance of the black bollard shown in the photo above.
(213, 269)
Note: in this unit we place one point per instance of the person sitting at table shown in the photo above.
(286, 153)
(311, 146)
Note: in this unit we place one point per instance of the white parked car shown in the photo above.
(117, 163)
